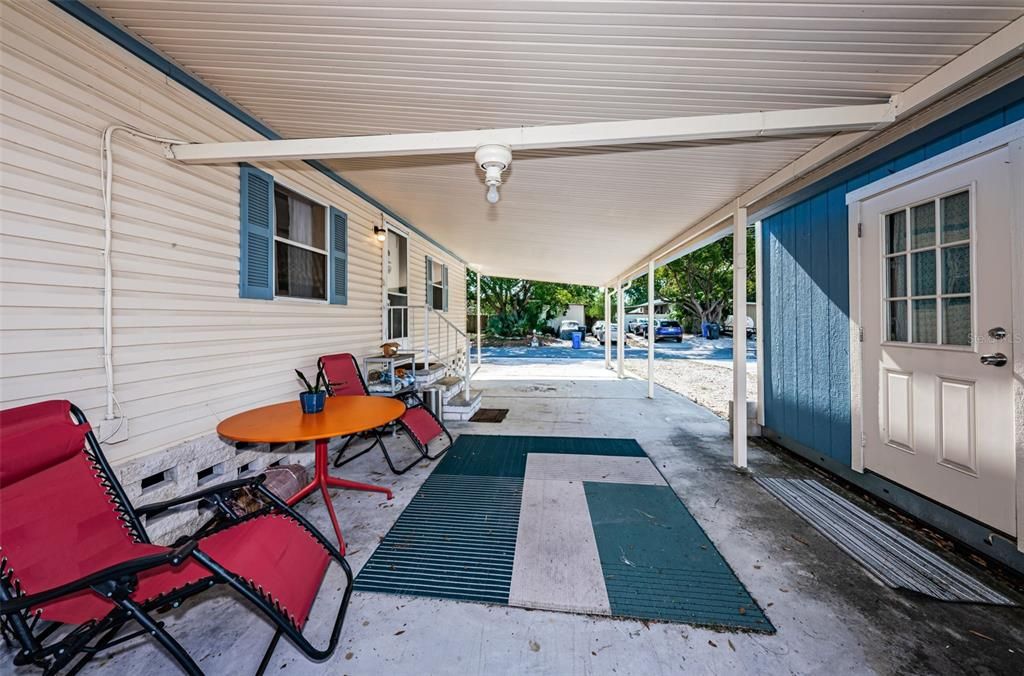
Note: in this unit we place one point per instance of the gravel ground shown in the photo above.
(704, 383)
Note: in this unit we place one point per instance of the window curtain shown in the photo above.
(300, 221)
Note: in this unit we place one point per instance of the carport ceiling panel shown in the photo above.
(326, 68)
(569, 216)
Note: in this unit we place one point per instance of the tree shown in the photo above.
(519, 306)
(700, 283)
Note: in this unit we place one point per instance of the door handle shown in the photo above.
(997, 359)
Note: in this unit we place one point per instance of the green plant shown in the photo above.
(320, 385)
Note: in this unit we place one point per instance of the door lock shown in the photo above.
(998, 333)
(997, 359)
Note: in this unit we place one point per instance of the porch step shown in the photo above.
(461, 408)
(450, 385)
(426, 377)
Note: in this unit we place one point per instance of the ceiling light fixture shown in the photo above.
(380, 233)
(493, 159)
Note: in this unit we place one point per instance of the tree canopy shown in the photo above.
(518, 306)
(697, 285)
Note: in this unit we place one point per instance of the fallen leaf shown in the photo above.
(757, 567)
(712, 644)
(783, 590)
(534, 646)
(800, 540)
(729, 641)
(980, 635)
(348, 656)
(399, 632)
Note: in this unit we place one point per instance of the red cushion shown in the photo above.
(276, 555)
(57, 522)
(37, 436)
(273, 553)
(422, 424)
(342, 374)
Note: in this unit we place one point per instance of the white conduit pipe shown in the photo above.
(107, 183)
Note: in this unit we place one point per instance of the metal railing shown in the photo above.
(446, 334)
(462, 348)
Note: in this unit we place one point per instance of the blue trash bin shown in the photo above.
(704, 332)
(714, 331)
(577, 340)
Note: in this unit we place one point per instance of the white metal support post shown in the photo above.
(739, 337)
(479, 329)
(620, 333)
(607, 328)
(650, 330)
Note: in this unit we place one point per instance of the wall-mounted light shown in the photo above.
(380, 233)
(493, 159)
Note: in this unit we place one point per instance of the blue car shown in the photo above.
(667, 329)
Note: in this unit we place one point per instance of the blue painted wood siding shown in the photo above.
(806, 280)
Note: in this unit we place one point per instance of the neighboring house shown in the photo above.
(662, 310)
(575, 312)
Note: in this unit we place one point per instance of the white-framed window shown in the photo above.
(300, 246)
(437, 285)
(927, 268)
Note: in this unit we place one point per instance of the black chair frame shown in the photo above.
(411, 400)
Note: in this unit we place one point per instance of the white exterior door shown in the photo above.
(937, 352)
(396, 288)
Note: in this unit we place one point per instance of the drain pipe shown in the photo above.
(107, 183)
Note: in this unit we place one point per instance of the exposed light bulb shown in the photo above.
(492, 194)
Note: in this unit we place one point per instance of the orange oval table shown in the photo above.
(286, 423)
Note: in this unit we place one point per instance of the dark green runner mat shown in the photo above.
(459, 537)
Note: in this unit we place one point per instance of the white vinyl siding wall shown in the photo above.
(187, 350)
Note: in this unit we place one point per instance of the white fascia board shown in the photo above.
(666, 130)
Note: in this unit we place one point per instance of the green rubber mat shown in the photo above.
(492, 455)
(587, 526)
(659, 564)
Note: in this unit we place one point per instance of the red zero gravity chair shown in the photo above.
(344, 378)
(76, 565)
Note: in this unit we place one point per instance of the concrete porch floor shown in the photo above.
(831, 616)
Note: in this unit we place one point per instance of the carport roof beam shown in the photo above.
(816, 121)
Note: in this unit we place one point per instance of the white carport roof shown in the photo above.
(322, 68)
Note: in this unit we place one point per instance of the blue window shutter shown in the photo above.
(339, 257)
(445, 284)
(256, 269)
(430, 282)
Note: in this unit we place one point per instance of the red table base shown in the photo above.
(323, 481)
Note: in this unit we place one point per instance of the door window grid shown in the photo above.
(927, 272)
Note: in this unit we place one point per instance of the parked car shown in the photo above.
(665, 329)
(633, 324)
(606, 332)
(568, 327)
(727, 327)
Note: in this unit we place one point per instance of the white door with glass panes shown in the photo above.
(935, 306)
(396, 292)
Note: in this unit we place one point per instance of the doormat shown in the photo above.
(557, 523)
(489, 415)
(887, 554)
